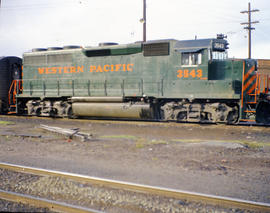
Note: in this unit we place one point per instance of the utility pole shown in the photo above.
(249, 27)
(144, 20)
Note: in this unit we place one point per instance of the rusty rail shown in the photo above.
(44, 203)
(171, 193)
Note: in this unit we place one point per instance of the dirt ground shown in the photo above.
(221, 160)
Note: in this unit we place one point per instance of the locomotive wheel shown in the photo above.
(38, 112)
(182, 116)
(232, 117)
(70, 113)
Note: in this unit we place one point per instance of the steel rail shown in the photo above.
(137, 122)
(167, 192)
(44, 203)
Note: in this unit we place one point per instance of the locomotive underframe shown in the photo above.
(46, 107)
(209, 111)
(180, 110)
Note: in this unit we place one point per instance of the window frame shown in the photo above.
(192, 57)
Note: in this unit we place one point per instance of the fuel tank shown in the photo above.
(113, 110)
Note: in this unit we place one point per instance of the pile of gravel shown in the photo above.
(8, 206)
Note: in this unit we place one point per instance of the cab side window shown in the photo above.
(189, 59)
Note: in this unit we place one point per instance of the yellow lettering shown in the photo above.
(192, 74)
(66, 70)
(130, 67)
(186, 74)
(117, 67)
(180, 73)
(112, 68)
(92, 68)
(60, 69)
(124, 68)
(47, 70)
(106, 68)
(41, 70)
(54, 70)
(80, 68)
(199, 73)
(72, 69)
(99, 69)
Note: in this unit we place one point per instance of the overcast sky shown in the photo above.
(27, 24)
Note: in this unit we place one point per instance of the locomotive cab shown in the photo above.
(197, 57)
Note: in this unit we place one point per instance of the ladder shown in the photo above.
(261, 85)
(15, 89)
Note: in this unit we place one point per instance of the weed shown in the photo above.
(128, 137)
(249, 144)
(6, 123)
(253, 145)
(140, 145)
(187, 140)
(154, 158)
(157, 142)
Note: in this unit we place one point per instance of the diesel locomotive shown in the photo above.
(168, 80)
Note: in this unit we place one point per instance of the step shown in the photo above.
(11, 112)
(250, 111)
(247, 120)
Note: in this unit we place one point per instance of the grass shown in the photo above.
(130, 137)
(6, 123)
(188, 140)
(255, 144)
(139, 145)
(249, 144)
(157, 142)
(142, 142)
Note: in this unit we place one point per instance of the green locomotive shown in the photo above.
(186, 81)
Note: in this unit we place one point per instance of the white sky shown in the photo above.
(27, 24)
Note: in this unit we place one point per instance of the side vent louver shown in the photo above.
(156, 49)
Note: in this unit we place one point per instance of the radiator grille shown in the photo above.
(156, 49)
(48, 59)
(60, 59)
(34, 60)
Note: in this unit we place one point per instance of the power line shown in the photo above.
(249, 26)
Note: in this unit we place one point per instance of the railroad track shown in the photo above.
(170, 194)
(44, 203)
(121, 121)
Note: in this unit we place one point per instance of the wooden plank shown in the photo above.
(69, 133)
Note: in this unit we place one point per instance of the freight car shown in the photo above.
(185, 81)
(10, 70)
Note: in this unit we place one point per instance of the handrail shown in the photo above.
(9, 92)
